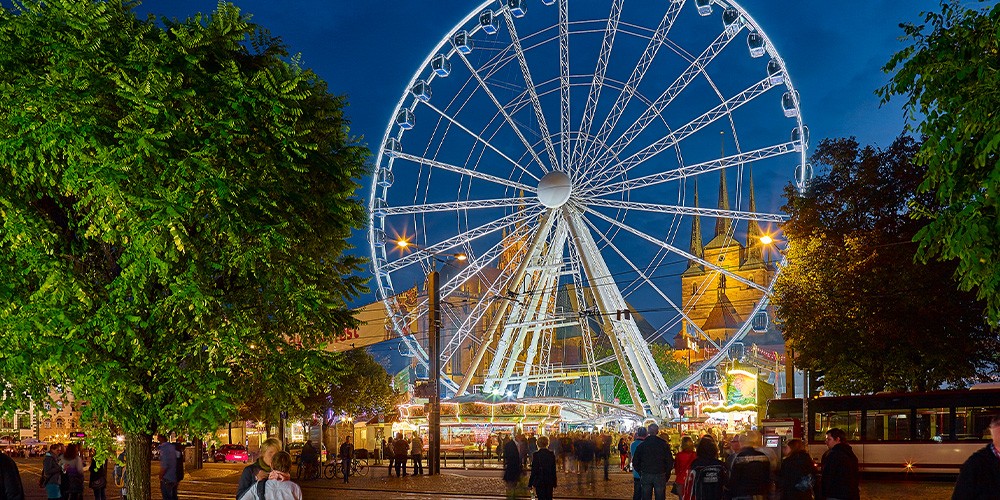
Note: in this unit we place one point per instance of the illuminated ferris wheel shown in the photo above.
(560, 153)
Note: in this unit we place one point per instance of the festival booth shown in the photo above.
(467, 422)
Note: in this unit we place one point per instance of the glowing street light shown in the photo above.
(766, 239)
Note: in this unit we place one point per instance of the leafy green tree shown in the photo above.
(176, 198)
(950, 76)
(852, 300)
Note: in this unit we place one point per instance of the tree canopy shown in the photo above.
(176, 199)
(852, 300)
(950, 76)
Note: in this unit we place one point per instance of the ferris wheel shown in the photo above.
(558, 163)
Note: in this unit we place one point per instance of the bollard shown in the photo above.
(463, 459)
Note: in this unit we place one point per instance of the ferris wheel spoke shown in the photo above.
(462, 239)
(535, 102)
(466, 171)
(642, 274)
(678, 251)
(480, 139)
(696, 169)
(684, 210)
(452, 206)
(503, 111)
(564, 102)
(693, 70)
(686, 130)
(598, 82)
(637, 75)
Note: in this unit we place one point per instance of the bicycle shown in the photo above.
(307, 471)
(334, 468)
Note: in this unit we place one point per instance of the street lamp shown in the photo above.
(433, 353)
(767, 240)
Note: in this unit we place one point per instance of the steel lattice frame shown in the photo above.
(469, 142)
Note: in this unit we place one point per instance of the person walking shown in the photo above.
(654, 462)
(543, 470)
(512, 470)
(168, 469)
(278, 484)
(640, 435)
(417, 454)
(390, 454)
(623, 454)
(750, 476)
(11, 487)
(72, 467)
(706, 477)
(797, 475)
(120, 476)
(260, 469)
(400, 448)
(604, 452)
(99, 478)
(841, 477)
(682, 463)
(979, 477)
(585, 451)
(346, 456)
(51, 477)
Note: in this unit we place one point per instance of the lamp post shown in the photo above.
(434, 357)
(766, 240)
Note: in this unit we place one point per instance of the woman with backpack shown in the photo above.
(798, 473)
(707, 474)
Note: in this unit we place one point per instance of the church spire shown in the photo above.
(723, 224)
(754, 250)
(696, 247)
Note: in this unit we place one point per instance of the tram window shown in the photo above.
(848, 421)
(974, 423)
(933, 424)
(888, 425)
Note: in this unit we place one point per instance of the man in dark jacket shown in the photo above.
(750, 476)
(654, 462)
(511, 467)
(979, 477)
(841, 477)
(543, 470)
(10, 480)
(400, 448)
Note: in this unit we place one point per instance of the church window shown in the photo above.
(60, 423)
(48, 424)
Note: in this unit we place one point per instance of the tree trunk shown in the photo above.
(138, 455)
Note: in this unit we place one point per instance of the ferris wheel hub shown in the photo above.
(554, 189)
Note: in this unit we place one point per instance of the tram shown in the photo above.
(908, 433)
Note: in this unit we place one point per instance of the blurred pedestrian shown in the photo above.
(10, 480)
(797, 475)
(400, 448)
(168, 469)
(604, 452)
(99, 478)
(512, 469)
(72, 467)
(543, 470)
(260, 469)
(706, 478)
(841, 476)
(417, 454)
(389, 453)
(654, 462)
(585, 452)
(750, 477)
(734, 448)
(682, 463)
(979, 476)
(120, 475)
(640, 435)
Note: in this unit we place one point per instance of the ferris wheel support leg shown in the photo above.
(495, 324)
(595, 268)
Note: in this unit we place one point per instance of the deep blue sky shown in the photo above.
(370, 49)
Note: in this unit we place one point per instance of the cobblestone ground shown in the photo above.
(218, 482)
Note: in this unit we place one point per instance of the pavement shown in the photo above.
(218, 482)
